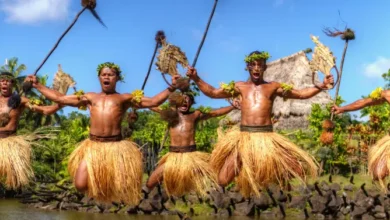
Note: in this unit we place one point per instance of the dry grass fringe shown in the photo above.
(379, 161)
(262, 159)
(186, 172)
(114, 170)
(15, 162)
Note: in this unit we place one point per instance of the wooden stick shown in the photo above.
(341, 74)
(205, 34)
(59, 40)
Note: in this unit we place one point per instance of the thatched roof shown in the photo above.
(293, 114)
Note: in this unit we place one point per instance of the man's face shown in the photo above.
(257, 69)
(108, 79)
(186, 106)
(6, 87)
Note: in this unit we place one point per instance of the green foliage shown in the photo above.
(229, 88)
(261, 56)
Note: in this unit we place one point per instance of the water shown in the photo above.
(13, 210)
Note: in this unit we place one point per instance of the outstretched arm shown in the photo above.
(305, 93)
(359, 104)
(55, 96)
(216, 113)
(156, 109)
(46, 110)
(146, 102)
(207, 89)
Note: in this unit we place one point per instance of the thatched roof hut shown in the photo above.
(293, 113)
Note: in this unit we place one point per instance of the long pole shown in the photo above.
(196, 57)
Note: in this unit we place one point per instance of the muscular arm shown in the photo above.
(299, 94)
(155, 101)
(46, 110)
(216, 113)
(71, 100)
(359, 104)
(210, 91)
(156, 109)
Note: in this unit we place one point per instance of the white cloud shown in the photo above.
(34, 11)
(377, 68)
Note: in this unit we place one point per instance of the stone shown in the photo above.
(335, 186)
(358, 212)
(349, 187)
(236, 197)
(298, 202)
(223, 213)
(367, 217)
(379, 208)
(345, 210)
(145, 206)
(94, 209)
(244, 209)
(318, 203)
(169, 204)
(380, 215)
(263, 202)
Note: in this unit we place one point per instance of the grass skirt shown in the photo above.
(262, 158)
(115, 170)
(186, 172)
(379, 160)
(15, 161)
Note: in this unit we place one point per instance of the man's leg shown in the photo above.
(81, 181)
(228, 172)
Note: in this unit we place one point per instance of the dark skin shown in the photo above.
(6, 86)
(107, 109)
(381, 167)
(257, 98)
(183, 133)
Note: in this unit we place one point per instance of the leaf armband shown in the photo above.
(79, 95)
(376, 94)
(137, 95)
(229, 88)
(287, 88)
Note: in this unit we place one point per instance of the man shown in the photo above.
(379, 154)
(105, 166)
(184, 169)
(254, 153)
(15, 151)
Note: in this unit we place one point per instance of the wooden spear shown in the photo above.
(87, 4)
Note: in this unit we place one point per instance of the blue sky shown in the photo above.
(29, 28)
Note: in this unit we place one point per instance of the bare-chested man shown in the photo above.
(184, 169)
(15, 151)
(105, 166)
(379, 154)
(254, 153)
